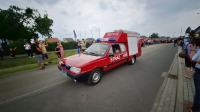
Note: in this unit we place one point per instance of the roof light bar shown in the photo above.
(106, 40)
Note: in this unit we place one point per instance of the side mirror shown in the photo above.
(111, 55)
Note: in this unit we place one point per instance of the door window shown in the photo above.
(116, 49)
(111, 51)
(123, 48)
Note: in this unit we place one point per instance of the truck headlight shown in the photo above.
(75, 69)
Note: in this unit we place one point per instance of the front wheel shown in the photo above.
(133, 60)
(95, 77)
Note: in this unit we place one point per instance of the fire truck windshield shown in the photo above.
(97, 49)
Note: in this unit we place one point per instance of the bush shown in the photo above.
(66, 46)
(51, 46)
(19, 45)
(69, 45)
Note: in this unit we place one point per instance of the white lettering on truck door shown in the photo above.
(115, 58)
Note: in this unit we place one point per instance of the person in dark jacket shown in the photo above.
(196, 77)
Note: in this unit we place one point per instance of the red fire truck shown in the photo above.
(114, 49)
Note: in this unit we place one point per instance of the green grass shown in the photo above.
(23, 63)
(9, 71)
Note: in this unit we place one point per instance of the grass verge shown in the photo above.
(9, 71)
(23, 63)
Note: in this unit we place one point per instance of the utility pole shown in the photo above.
(75, 36)
(91, 33)
(181, 32)
(99, 32)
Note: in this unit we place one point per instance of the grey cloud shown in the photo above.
(144, 16)
(107, 5)
(47, 2)
(63, 12)
(170, 7)
(103, 5)
(168, 16)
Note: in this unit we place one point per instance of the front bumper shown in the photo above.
(69, 73)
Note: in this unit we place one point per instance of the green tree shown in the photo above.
(154, 35)
(17, 23)
(43, 25)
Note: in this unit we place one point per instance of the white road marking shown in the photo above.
(32, 92)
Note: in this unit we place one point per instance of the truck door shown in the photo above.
(115, 56)
(124, 53)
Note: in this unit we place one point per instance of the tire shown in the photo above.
(95, 77)
(133, 60)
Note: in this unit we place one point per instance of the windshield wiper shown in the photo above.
(85, 52)
(94, 54)
(88, 53)
(91, 53)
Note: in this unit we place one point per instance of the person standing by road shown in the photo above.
(1, 51)
(59, 50)
(78, 47)
(27, 47)
(44, 51)
(83, 45)
(38, 55)
(186, 49)
(180, 43)
(188, 60)
(175, 42)
(12, 52)
(196, 77)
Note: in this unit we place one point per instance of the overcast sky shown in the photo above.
(91, 18)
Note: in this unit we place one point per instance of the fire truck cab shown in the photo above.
(114, 49)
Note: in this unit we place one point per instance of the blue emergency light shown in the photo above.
(112, 39)
(98, 40)
(106, 40)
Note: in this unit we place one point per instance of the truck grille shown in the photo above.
(66, 66)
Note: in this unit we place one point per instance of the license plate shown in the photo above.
(65, 74)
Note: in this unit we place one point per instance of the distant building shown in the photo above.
(143, 37)
(68, 39)
(52, 40)
(195, 32)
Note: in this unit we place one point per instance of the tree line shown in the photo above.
(19, 24)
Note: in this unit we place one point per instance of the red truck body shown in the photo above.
(115, 48)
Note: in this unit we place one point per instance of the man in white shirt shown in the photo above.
(27, 47)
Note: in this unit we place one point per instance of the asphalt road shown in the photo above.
(128, 88)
